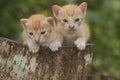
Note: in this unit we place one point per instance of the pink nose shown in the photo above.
(71, 27)
(36, 40)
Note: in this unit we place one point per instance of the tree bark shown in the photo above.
(68, 63)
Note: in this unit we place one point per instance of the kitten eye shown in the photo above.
(43, 32)
(77, 19)
(30, 33)
(65, 20)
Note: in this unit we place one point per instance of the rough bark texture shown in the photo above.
(17, 63)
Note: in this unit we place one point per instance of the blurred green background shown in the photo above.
(103, 16)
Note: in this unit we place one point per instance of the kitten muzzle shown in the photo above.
(71, 28)
(37, 41)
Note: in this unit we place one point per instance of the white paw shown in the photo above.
(80, 44)
(55, 45)
(34, 49)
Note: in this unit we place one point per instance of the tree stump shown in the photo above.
(68, 63)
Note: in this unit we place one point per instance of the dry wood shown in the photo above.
(17, 63)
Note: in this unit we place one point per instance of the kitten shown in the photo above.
(36, 31)
(71, 26)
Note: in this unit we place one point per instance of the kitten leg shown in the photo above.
(80, 43)
(56, 40)
(55, 45)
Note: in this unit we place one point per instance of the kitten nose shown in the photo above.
(71, 27)
(37, 41)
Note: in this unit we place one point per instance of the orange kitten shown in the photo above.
(71, 26)
(37, 29)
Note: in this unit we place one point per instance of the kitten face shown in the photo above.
(38, 28)
(70, 16)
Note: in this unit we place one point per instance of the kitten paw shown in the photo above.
(55, 45)
(80, 44)
(34, 49)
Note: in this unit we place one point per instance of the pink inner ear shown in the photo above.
(83, 7)
(24, 21)
(56, 10)
(51, 21)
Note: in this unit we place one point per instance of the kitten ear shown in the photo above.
(24, 22)
(50, 20)
(83, 7)
(56, 10)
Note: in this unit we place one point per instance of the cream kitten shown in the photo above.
(37, 29)
(71, 26)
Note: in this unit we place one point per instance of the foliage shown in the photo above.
(102, 16)
(105, 35)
